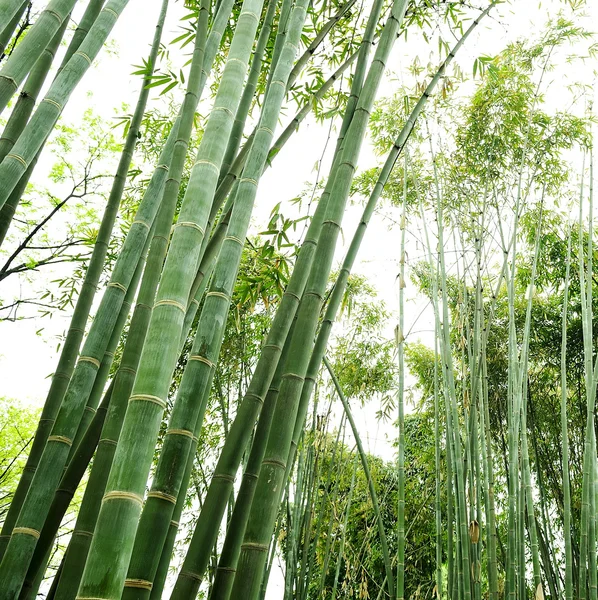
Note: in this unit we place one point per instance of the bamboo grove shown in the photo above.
(181, 313)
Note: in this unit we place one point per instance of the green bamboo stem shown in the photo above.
(18, 119)
(268, 491)
(67, 486)
(217, 300)
(74, 337)
(249, 91)
(25, 55)
(400, 340)
(368, 476)
(344, 531)
(89, 17)
(317, 41)
(231, 548)
(45, 117)
(122, 502)
(11, 22)
(53, 459)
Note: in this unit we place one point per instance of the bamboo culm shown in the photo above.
(106, 567)
(72, 343)
(45, 117)
(53, 459)
(11, 22)
(26, 54)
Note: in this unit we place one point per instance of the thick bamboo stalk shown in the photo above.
(46, 478)
(45, 117)
(80, 453)
(11, 23)
(18, 119)
(26, 54)
(121, 506)
(270, 483)
(72, 343)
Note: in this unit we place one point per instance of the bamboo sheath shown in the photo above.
(57, 448)
(77, 326)
(11, 22)
(122, 502)
(25, 55)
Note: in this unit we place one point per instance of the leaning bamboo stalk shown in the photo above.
(216, 304)
(121, 505)
(230, 456)
(74, 337)
(368, 476)
(26, 54)
(36, 505)
(45, 117)
(66, 489)
(270, 483)
(17, 121)
(231, 548)
(11, 23)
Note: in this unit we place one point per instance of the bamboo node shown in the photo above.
(61, 438)
(232, 238)
(190, 575)
(266, 129)
(53, 103)
(84, 56)
(83, 533)
(107, 9)
(192, 225)
(175, 524)
(252, 14)
(18, 158)
(248, 179)
(11, 80)
(293, 376)
(183, 432)
(91, 409)
(141, 222)
(224, 476)
(219, 295)
(275, 463)
(116, 495)
(209, 163)
(202, 359)
(256, 546)
(162, 496)
(117, 285)
(34, 533)
(90, 359)
(141, 584)
(147, 398)
(171, 303)
(107, 441)
(54, 14)
(230, 60)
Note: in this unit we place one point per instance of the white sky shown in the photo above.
(26, 359)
